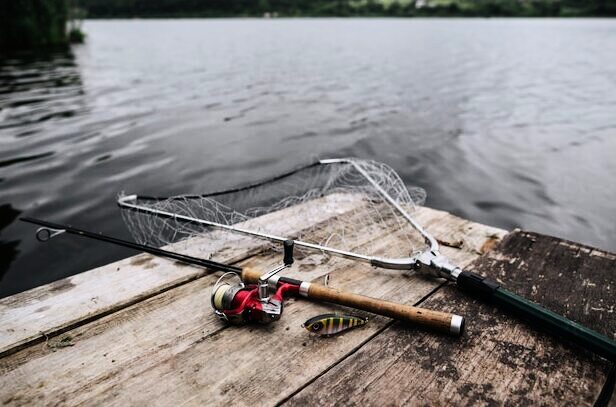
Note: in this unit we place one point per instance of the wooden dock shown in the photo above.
(141, 332)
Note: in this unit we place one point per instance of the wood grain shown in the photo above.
(576, 280)
(169, 349)
(43, 311)
(500, 360)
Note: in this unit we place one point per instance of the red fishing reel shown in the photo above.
(237, 303)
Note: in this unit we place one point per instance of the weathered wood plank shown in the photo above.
(173, 338)
(42, 311)
(576, 280)
(500, 360)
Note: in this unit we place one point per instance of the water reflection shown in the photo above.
(36, 87)
(505, 122)
(8, 249)
(39, 92)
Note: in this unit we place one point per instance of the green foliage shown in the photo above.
(398, 8)
(30, 23)
(76, 36)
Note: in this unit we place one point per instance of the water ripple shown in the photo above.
(506, 122)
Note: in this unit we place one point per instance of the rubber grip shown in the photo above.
(476, 284)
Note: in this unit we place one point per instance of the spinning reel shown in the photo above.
(238, 303)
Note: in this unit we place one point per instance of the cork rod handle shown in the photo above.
(436, 320)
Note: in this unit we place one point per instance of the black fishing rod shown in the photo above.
(49, 230)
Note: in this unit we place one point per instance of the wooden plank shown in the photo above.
(500, 360)
(31, 315)
(169, 349)
(576, 280)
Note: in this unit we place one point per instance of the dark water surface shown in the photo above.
(506, 122)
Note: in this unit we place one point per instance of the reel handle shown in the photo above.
(439, 321)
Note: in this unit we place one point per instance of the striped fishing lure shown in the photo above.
(331, 324)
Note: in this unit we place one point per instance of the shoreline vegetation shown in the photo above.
(27, 24)
(347, 8)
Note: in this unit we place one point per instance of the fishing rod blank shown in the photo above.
(49, 230)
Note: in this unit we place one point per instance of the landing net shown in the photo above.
(334, 206)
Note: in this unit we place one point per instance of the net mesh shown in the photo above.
(329, 204)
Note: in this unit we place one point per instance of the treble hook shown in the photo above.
(44, 234)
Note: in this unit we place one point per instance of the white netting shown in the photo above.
(332, 205)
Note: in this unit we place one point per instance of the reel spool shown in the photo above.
(237, 303)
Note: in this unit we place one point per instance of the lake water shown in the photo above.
(506, 122)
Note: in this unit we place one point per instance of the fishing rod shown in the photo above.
(49, 230)
(327, 191)
(241, 303)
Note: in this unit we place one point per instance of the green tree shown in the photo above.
(32, 23)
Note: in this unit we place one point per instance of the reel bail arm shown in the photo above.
(264, 278)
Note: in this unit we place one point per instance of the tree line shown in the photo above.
(28, 24)
(348, 8)
(35, 23)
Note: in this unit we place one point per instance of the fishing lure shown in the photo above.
(331, 324)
